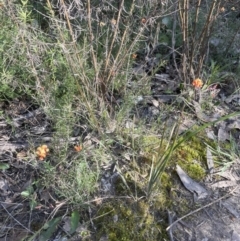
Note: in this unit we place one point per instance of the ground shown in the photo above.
(63, 177)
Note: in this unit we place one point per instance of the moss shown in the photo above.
(195, 171)
(127, 221)
(161, 201)
(166, 180)
(133, 183)
(191, 156)
(150, 143)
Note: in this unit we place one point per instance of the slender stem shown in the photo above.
(91, 37)
(114, 36)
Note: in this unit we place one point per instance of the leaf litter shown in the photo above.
(208, 224)
(191, 185)
(214, 189)
(200, 228)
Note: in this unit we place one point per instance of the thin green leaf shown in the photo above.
(4, 166)
(28, 191)
(25, 193)
(33, 204)
(52, 225)
(74, 221)
(162, 160)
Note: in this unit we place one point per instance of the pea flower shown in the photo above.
(42, 152)
(197, 83)
(78, 148)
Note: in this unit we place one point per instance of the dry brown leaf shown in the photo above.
(190, 184)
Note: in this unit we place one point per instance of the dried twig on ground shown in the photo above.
(199, 209)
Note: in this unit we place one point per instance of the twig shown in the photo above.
(91, 38)
(29, 115)
(174, 41)
(170, 221)
(199, 209)
(16, 219)
(114, 36)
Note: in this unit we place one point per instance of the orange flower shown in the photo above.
(134, 56)
(197, 83)
(78, 148)
(45, 148)
(42, 152)
(143, 20)
(41, 158)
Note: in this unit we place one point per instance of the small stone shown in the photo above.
(155, 102)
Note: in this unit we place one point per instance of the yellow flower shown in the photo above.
(197, 83)
(42, 152)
